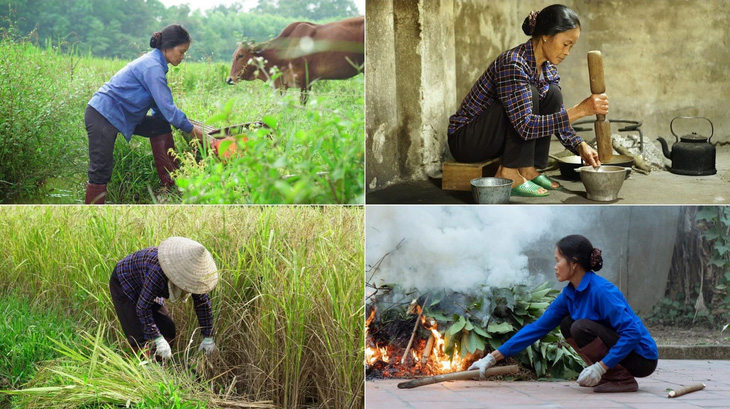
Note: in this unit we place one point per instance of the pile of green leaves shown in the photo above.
(491, 319)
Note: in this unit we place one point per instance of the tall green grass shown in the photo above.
(288, 307)
(315, 156)
(24, 331)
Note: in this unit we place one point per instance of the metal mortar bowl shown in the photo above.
(491, 190)
(602, 185)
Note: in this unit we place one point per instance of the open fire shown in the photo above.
(393, 352)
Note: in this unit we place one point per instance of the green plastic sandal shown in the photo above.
(546, 182)
(528, 189)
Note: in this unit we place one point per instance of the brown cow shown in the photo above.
(304, 52)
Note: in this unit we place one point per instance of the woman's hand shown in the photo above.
(198, 133)
(487, 362)
(596, 104)
(588, 154)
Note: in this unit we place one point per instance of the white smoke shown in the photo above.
(463, 248)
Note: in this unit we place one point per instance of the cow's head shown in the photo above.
(243, 68)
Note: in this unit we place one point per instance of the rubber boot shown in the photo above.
(95, 194)
(164, 161)
(580, 353)
(616, 379)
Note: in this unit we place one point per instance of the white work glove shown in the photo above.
(163, 348)
(591, 375)
(208, 345)
(482, 364)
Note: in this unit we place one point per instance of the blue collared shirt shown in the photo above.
(508, 81)
(138, 87)
(596, 299)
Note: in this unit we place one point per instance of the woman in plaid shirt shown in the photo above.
(141, 281)
(516, 105)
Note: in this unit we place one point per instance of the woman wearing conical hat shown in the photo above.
(141, 281)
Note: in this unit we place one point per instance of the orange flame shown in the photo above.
(436, 360)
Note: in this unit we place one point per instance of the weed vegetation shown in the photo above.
(311, 154)
(288, 307)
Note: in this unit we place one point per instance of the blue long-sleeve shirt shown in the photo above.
(596, 299)
(138, 87)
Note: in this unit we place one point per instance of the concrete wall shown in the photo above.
(661, 60)
(637, 244)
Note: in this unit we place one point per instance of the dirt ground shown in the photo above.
(688, 336)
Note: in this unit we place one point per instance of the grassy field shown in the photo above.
(288, 307)
(311, 154)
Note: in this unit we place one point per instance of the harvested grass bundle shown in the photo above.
(92, 373)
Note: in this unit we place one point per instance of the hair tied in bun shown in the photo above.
(596, 259)
(532, 21)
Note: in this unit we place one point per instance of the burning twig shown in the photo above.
(673, 393)
(415, 328)
(427, 351)
(458, 376)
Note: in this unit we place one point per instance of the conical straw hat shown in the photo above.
(188, 265)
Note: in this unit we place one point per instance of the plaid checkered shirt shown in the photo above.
(508, 81)
(143, 280)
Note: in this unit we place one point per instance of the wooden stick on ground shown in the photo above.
(683, 390)
(458, 376)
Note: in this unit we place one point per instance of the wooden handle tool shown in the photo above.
(458, 376)
(601, 126)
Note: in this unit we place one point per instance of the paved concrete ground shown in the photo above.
(505, 394)
(659, 187)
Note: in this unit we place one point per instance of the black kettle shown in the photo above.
(691, 154)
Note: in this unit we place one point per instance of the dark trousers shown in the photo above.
(491, 135)
(585, 331)
(102, 135)
(126, 310)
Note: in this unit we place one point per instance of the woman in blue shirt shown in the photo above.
(595, 319)
(121, 106)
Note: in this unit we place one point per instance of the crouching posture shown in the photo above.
(596, 321)
(178, 267)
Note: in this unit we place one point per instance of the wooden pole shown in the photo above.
(683, 390)
(601, 126)
(458, 376)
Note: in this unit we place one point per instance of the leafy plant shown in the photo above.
(317, 158)
(490, 320)
(714, 224)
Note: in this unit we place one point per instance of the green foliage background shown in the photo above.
(122, 29)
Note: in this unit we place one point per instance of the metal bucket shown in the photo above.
(603, 185)
(491, 190)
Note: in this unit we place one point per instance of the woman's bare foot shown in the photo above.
(530, 173)
(516, 177)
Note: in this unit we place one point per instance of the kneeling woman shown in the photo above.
(594, 318)
(141, 281)
(516, 105)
